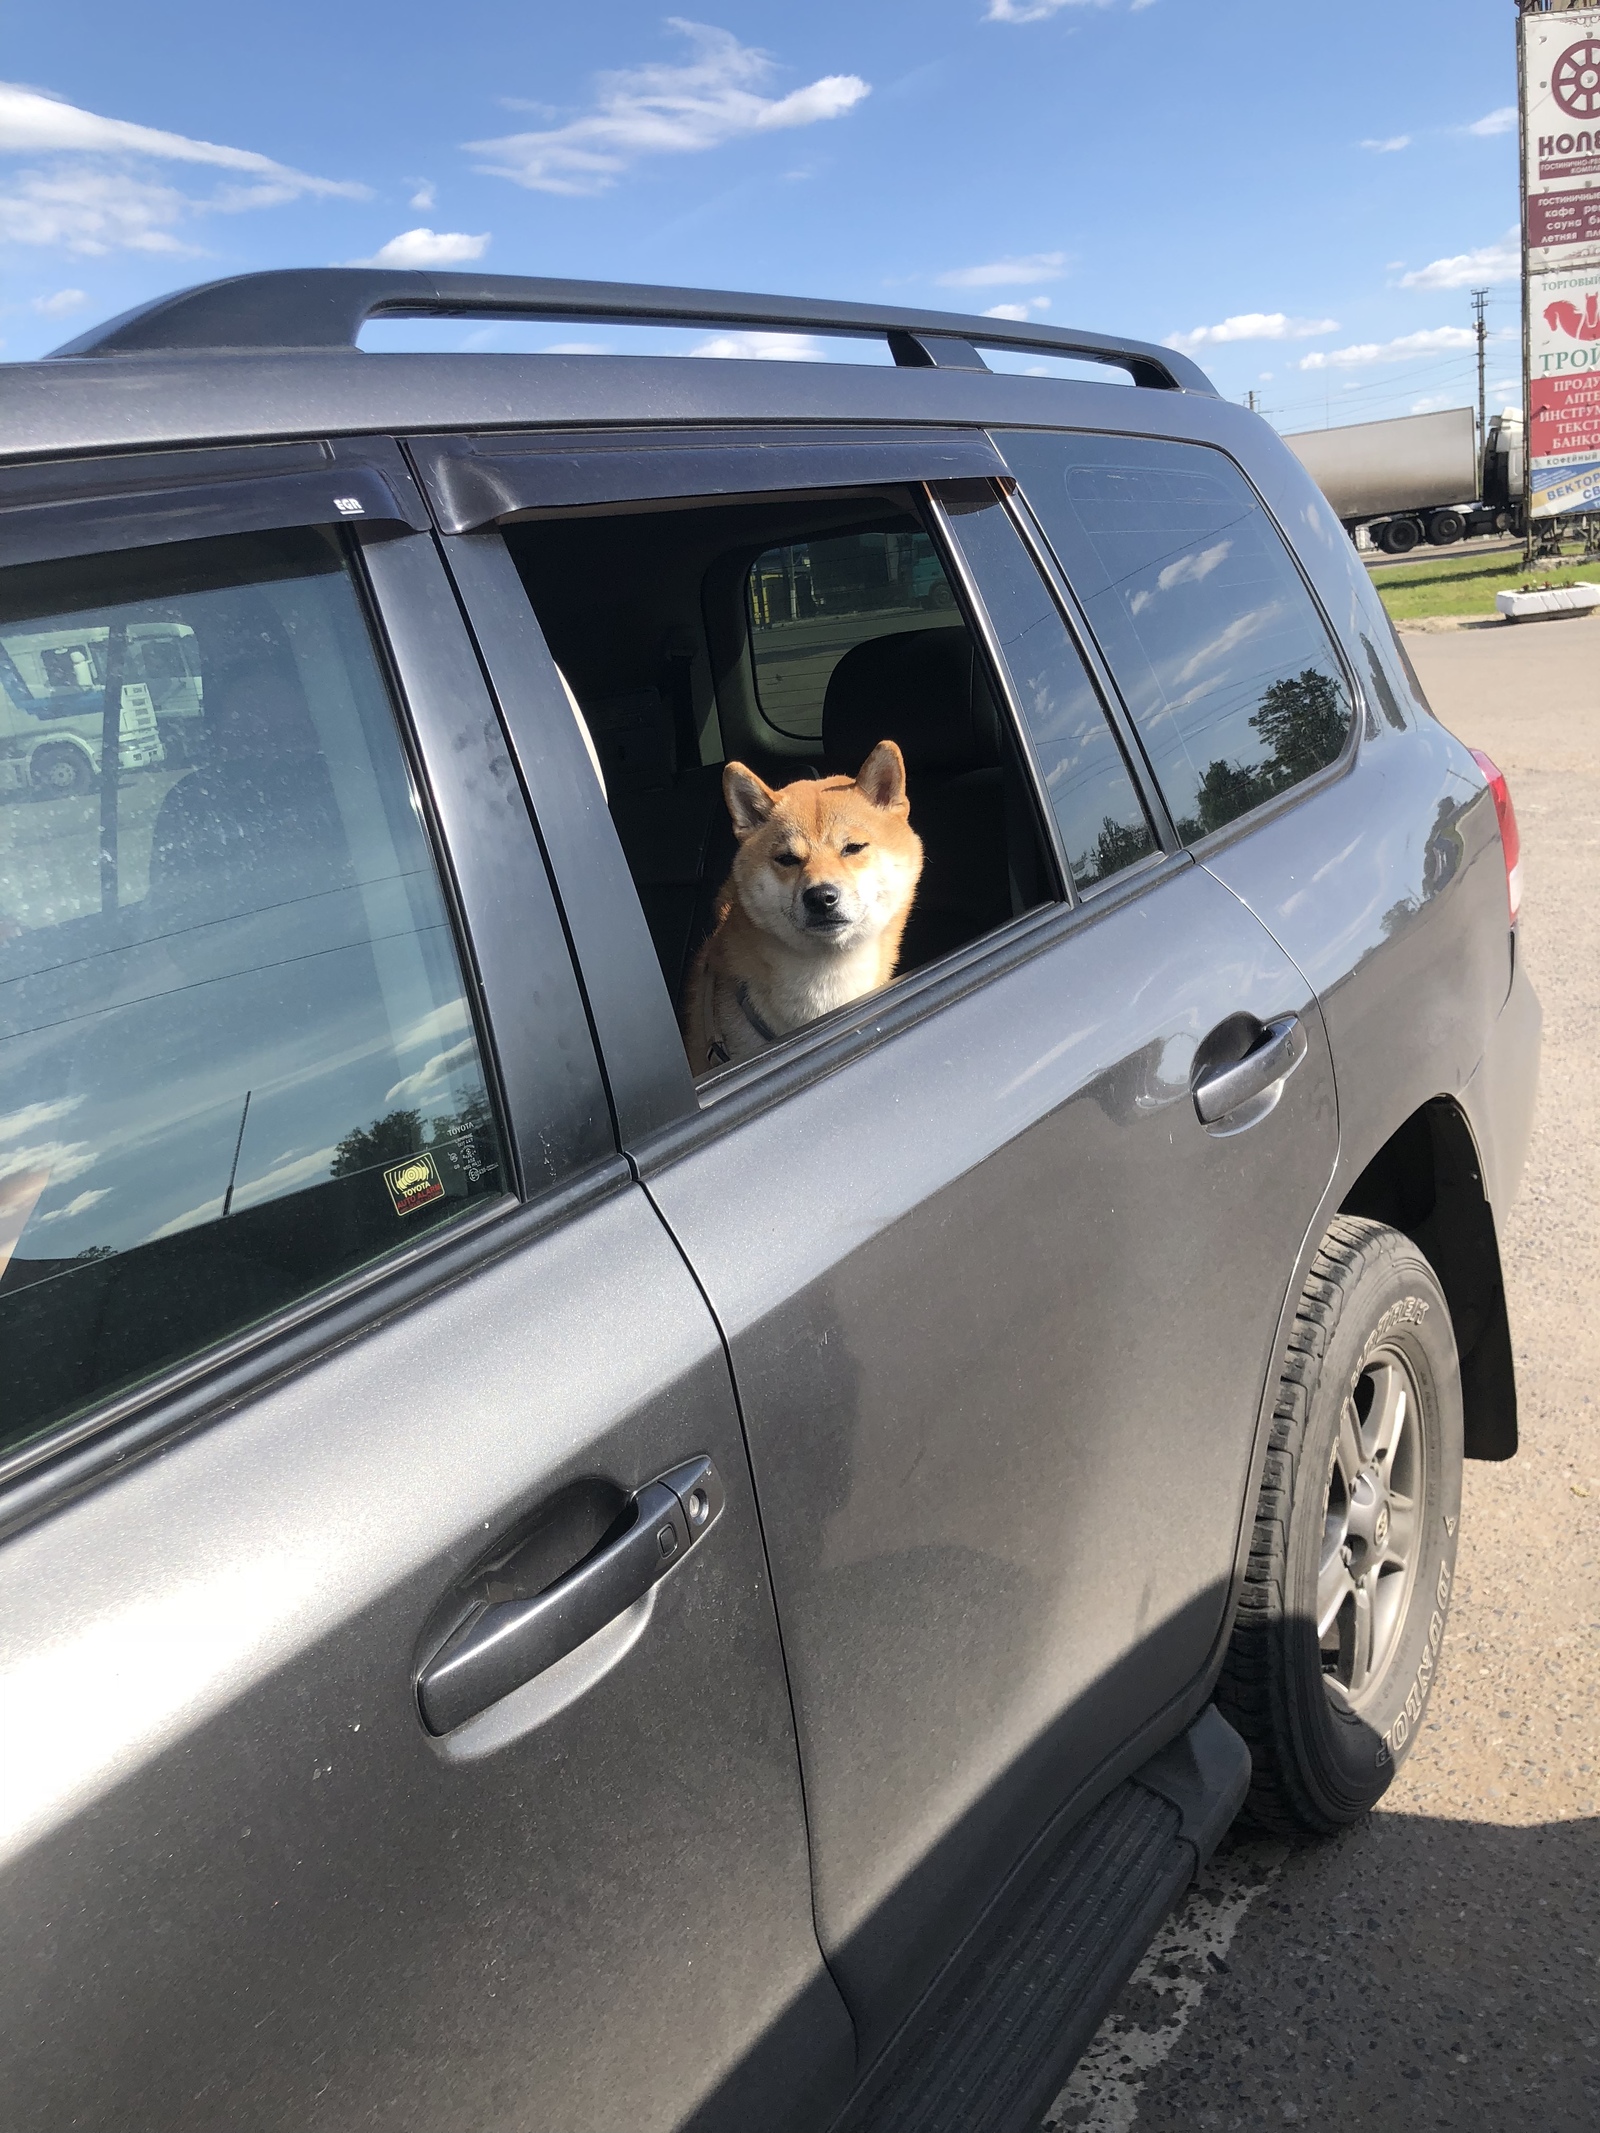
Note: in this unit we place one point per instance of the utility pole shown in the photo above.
(1250, 401)
(1480, 302)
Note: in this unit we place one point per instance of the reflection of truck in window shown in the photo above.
(52, 703)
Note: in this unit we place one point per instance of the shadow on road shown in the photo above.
(1413, 1972)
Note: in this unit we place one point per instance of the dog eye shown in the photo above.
(787, 859)
(849, 850)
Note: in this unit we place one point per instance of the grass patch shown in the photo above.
(1465, 584)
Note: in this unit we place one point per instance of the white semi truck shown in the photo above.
(1419, 477)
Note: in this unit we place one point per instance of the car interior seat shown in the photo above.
(927, 690)
(671, 823)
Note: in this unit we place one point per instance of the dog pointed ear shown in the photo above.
(882, 777)
(750, 803)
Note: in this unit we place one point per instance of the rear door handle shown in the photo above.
(1223, 1090)
(500, 1647)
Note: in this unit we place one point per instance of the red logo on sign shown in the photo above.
(1579, 325)
(1575, 80)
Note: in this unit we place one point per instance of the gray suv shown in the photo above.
(549, 1582)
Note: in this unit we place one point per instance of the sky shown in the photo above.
(1301, 198)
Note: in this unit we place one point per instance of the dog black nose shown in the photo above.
(821, 898)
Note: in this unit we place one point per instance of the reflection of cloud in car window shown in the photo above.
(79, 1206)
(13, 1124)
(1188, 570)
(433, 1078)
(271, 1185)
(63, 1160)
(1239, 631)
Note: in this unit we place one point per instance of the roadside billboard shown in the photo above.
(1564, 392)
(1560, 70)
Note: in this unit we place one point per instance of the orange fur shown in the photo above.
(781, 953)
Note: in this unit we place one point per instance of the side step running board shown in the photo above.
(991, 2044)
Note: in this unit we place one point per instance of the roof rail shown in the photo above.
(326, 307)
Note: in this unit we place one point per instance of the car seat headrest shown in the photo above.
(925, 689)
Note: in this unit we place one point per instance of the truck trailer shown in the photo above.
(1420, 477)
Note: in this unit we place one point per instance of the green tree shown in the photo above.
(1303, 721)
(388, 1138)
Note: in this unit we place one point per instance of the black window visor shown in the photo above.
(473, 481)
(139, 500)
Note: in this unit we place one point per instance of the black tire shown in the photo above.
(60, 770)
(1372, 1339)
(1445, 527)
(1401, 535)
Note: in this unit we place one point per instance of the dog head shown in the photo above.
(825, 864)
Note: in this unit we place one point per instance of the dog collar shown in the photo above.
(767, 1036)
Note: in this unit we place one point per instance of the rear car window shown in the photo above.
(812, 601)
(235, 1050)
(648, 617)
(1099, 815)
(1206, 623)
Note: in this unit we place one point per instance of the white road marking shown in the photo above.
(1102, 2095)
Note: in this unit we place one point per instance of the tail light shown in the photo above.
(1510, 839)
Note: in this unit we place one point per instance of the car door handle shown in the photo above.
(500, 1647)
(1223, 1090)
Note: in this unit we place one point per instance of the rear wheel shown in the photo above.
(1353, 1555)
(60, 770)
(1445, 527)
(1401, 535)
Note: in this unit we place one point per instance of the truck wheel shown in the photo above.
(60, 770)
(1352, 1561)
(1401, 535)
(1445, 527)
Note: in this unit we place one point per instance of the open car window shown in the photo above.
(777, 689)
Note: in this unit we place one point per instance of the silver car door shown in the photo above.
(395, 1727)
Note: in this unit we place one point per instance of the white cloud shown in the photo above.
(1007, 273)
(63, 300)
(80, 209)
(80, 1206)
(1434, 341)
(1464, 270)
(432, 1078)
(272, 1185)
(715, 96)
(425, 195)
(1018, 311)
(1187, 570)
(764, 347)
(93, 198)
(1253, 326)
(1037, 10)
(1502, 120)
(1391, 146)
(60, 1160)
(13, 1124)
(32, 123)
(426, 248)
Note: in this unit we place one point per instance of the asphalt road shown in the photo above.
(1439, 1965)
(1489, 545)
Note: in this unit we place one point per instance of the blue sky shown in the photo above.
(1304, 195)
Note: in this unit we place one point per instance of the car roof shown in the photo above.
(274, 355)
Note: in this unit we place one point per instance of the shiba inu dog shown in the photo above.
(814, 909)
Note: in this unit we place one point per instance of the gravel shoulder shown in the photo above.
(1439, 1965)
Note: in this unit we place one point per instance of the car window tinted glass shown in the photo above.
(811, 601)
(235, 1053)
(1099, 814)
(1206, 623)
